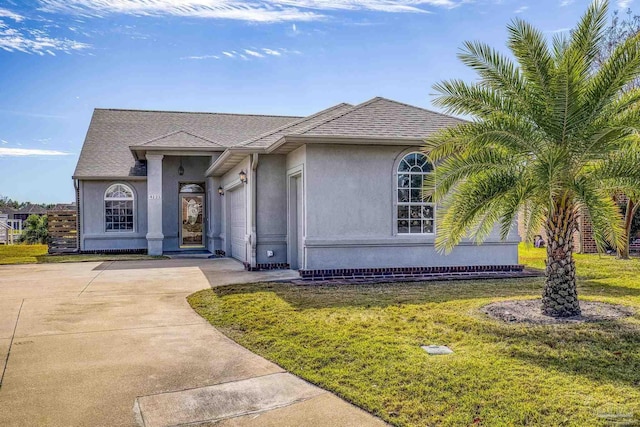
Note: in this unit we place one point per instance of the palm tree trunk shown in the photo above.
(632, 207)
(560, 296)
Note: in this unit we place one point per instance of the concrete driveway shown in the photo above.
(116, 344)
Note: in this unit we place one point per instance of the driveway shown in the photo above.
(116, 344)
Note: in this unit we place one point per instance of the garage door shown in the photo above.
(238, 222)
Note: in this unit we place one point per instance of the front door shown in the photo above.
(191, 220)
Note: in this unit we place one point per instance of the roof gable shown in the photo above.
(298, 126)
(30, 208)
(180, 139)
(383, 118)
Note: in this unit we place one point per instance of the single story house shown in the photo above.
(24, 212)
(62, 207)
(339, 189)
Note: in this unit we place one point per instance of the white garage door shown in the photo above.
(238, 222)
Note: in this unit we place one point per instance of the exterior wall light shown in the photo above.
(243, 177)
(181, 169)
(221, 191)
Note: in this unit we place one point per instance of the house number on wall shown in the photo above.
(155, 197)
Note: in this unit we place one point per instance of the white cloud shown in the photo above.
(624, 3)
(521, 9)
(253, 53)
(271, 52)
(15, 40)
(5, 13)
(32, 40)
(256, 11)
(287, 51)
(246, 54)
(392, 6)
(250, 10)
(564, 3)
(201, 57)
(24, 152)
(560, 30)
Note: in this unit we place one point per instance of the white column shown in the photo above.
(154, 204)
(212, 197)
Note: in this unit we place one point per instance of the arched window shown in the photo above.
(118, 208)
(416, 215)
(191, 188)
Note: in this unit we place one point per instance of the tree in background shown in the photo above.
(621, 28)
(6, 202)
(550, 134)
(35, 230)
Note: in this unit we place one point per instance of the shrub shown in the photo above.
(35, 230)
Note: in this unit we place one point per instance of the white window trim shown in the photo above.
(396, 202)
(132, 199)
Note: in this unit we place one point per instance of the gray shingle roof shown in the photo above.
(31, 209)
(384, 118)
(298, 126)
(106, 147)
(106, 151)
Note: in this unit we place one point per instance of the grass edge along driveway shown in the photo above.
(32, 254)
(363, 343)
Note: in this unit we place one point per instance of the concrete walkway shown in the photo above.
(116, 344)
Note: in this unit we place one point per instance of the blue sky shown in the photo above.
(60, 59)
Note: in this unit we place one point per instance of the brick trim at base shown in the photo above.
(403, 272)
(267, 266)
(115, 252)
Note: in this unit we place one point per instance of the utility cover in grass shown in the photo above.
(436, 350)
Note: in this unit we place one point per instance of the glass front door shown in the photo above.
(192, 220)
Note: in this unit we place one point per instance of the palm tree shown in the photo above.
(551, 135)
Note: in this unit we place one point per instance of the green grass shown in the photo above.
(30, 254)
(47, 259)
(362, 342)
(21, 254)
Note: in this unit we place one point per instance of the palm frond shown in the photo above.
(587, 36)
(529, 46)
(473, 200)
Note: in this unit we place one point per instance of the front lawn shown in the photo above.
(31, 254)
(21, 254)
(363, 343)
(48, 259)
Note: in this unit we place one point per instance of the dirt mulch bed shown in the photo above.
(529, 311)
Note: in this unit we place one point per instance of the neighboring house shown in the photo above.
(583, 239)
(10, 229)
(340, 189)
(63, 207)
(24, 212)
(8, 212)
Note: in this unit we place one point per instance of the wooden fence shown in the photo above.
(63, 231)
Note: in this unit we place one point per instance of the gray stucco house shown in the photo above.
(339, 189)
